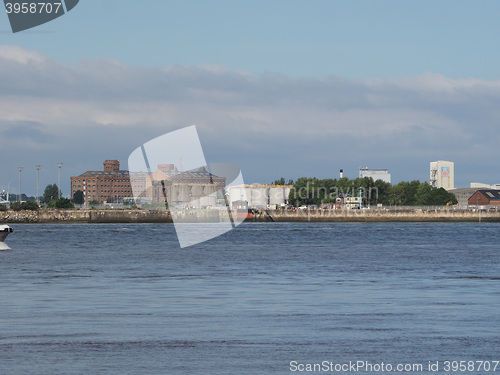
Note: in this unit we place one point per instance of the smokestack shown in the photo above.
(341, 173)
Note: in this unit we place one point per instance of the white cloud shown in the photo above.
(431, 116)
(20, 55)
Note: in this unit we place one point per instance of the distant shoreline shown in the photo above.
(155, 216)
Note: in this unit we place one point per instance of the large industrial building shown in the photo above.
(108, 185)
(376, 174)
(479, 185)
(258, 196)
(195, 188)
(442, 174)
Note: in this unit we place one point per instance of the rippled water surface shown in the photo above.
(125, 299)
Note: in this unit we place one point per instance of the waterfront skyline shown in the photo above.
(291, 91)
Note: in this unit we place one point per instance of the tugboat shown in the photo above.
(4, 232)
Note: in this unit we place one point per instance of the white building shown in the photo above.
(442, 174)
(258, 196)
(376, 174)
(351, 202)
(479, 185)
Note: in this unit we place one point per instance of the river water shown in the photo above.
(265, 298)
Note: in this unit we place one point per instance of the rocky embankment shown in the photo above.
(382, 215)
(85, 216)
(145, 216)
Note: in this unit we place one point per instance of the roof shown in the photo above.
(200, 172)
(175, 173)
(492, 195)
(105, 174)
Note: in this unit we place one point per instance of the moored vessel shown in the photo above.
(4, 232)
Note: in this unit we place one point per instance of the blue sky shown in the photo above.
(318, 38)
(282, 88)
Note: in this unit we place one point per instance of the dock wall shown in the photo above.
(86, 216)
(145, 216)
(380, 215)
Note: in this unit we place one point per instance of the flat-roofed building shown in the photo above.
(376, 174)
(442, 174)
(480, 185)
(109, 185)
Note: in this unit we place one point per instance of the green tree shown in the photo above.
(64, 203)
(281, 181)
(16, 206)
(78, 197)
(28, 205)
(440, 196)
(51, 193)
(405, 193)
(423, 194)
(380, 193)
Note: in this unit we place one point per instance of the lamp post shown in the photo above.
(20, 171)
(59, 184)
(38, 183)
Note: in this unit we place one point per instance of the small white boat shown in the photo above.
(4, 232)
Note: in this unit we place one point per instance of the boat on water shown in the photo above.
(4, 232)
(244, 213)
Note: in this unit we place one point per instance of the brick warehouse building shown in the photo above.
(181, 187)
(485, 198)
(195, 188)
(109, 185)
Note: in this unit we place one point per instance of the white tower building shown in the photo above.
(376, 174)
(443, 174)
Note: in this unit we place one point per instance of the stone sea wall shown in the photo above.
(381, 215)
(86, 216)
(145, 216)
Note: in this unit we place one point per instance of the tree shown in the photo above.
(281, 181)
(64, 203)
(51, 193)
(423, 194)
(28, 205)
(440, 197)
(315, 191)
(78, 197)
(380, 193)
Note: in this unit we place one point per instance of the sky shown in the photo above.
(286, 88)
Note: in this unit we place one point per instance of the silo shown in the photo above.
(258, 196)
(277, 195)
(237, 193)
